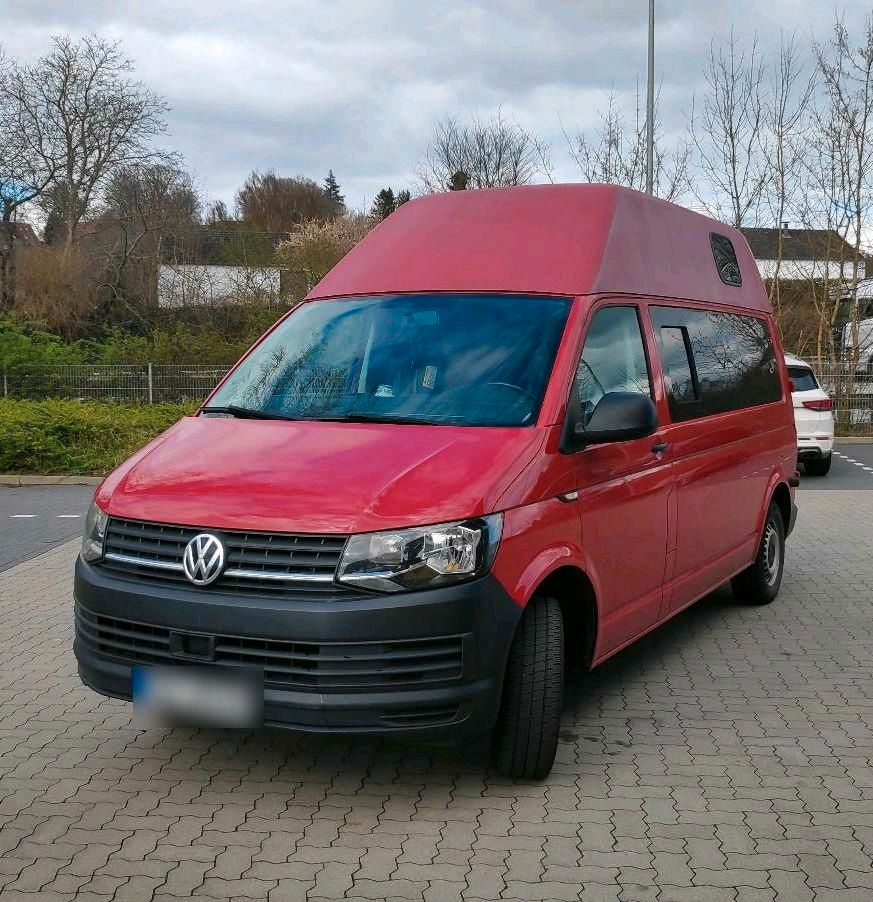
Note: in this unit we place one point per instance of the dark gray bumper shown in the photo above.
(189, 625)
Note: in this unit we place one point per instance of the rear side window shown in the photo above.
(725, 259)
(803, 378)
(715, 362)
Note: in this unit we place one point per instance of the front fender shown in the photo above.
(538, 539)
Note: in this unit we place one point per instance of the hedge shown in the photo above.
(77, 438)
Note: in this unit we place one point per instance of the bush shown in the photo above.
(313, 249)
(83, 439)
(58, 286)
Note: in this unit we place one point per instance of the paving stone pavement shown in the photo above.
(726, 757)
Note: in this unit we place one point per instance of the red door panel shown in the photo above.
(623, 501)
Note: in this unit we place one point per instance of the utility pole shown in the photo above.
(650, 106)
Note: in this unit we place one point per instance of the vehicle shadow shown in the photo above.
(594, 718)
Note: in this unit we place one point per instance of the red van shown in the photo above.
(510, 429)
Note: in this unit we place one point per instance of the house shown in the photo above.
(23, 233)
(219, 265)
(805, 254)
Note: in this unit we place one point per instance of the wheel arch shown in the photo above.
(575, 593)
(781, 495)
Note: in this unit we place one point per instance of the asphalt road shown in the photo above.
(34, 519)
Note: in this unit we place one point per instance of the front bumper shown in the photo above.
(123, 622)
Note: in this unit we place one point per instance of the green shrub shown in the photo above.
(71, 437)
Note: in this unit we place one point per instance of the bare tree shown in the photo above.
(272, 203)
(24, 174)
(84, 117)
(492, 153)
(786, 119)
(844, 120)
(728, 132)
(142, 206)
(217, 213)
(616, 152)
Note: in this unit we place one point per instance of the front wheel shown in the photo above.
(759, 584)
(526, 735)
(818, 466)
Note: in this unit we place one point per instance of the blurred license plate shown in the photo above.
(197, 696)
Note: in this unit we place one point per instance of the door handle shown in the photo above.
(660, 447)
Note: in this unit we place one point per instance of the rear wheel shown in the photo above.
(759, 584)
(526, 735)
(818, 466)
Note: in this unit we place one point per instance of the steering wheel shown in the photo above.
(516, 388)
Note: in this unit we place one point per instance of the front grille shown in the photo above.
(256, 562)
(286, 663)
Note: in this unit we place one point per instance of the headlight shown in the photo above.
(423, 557)
(95, 531)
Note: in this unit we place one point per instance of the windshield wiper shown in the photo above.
(246, 413)
(379, 418)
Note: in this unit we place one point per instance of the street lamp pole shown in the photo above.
(650, 105)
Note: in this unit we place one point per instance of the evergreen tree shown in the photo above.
(402, 197)
(332, 191)
(384, 204)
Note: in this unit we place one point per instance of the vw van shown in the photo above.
(512, 430)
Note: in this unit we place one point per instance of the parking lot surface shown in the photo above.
(724, 757)
(34, 518)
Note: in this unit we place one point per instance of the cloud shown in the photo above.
(302, 87)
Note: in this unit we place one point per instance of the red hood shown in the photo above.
(316, 477)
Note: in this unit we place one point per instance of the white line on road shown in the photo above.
(851, 460)
(22, 516)
(69, 516)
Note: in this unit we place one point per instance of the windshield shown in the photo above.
(467, 360)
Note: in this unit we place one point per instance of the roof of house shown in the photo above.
(798, 244)
(89, 227)
(23, 233)
(549, 239)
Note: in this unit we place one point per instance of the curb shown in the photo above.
(854, 439)
(12, 479)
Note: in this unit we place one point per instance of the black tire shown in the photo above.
(759, 584)
(526, 735)
(818, 466)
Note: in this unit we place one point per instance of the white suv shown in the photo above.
(813, 417)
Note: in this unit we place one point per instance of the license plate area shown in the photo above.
(201, 696)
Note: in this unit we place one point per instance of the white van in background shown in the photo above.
(813, 417)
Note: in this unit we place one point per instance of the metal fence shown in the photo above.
(852, 395)
(153, 383)
(147, 383)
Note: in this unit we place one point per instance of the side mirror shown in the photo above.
(618, 417)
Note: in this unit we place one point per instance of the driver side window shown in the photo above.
(613, 358)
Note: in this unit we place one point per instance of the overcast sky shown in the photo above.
(301, 87)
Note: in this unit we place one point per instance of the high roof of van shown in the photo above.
(548, 239)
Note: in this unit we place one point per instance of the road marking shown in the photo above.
(22, 516)
(851, 460)
(69, 516)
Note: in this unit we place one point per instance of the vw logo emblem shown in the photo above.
(203, 559)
